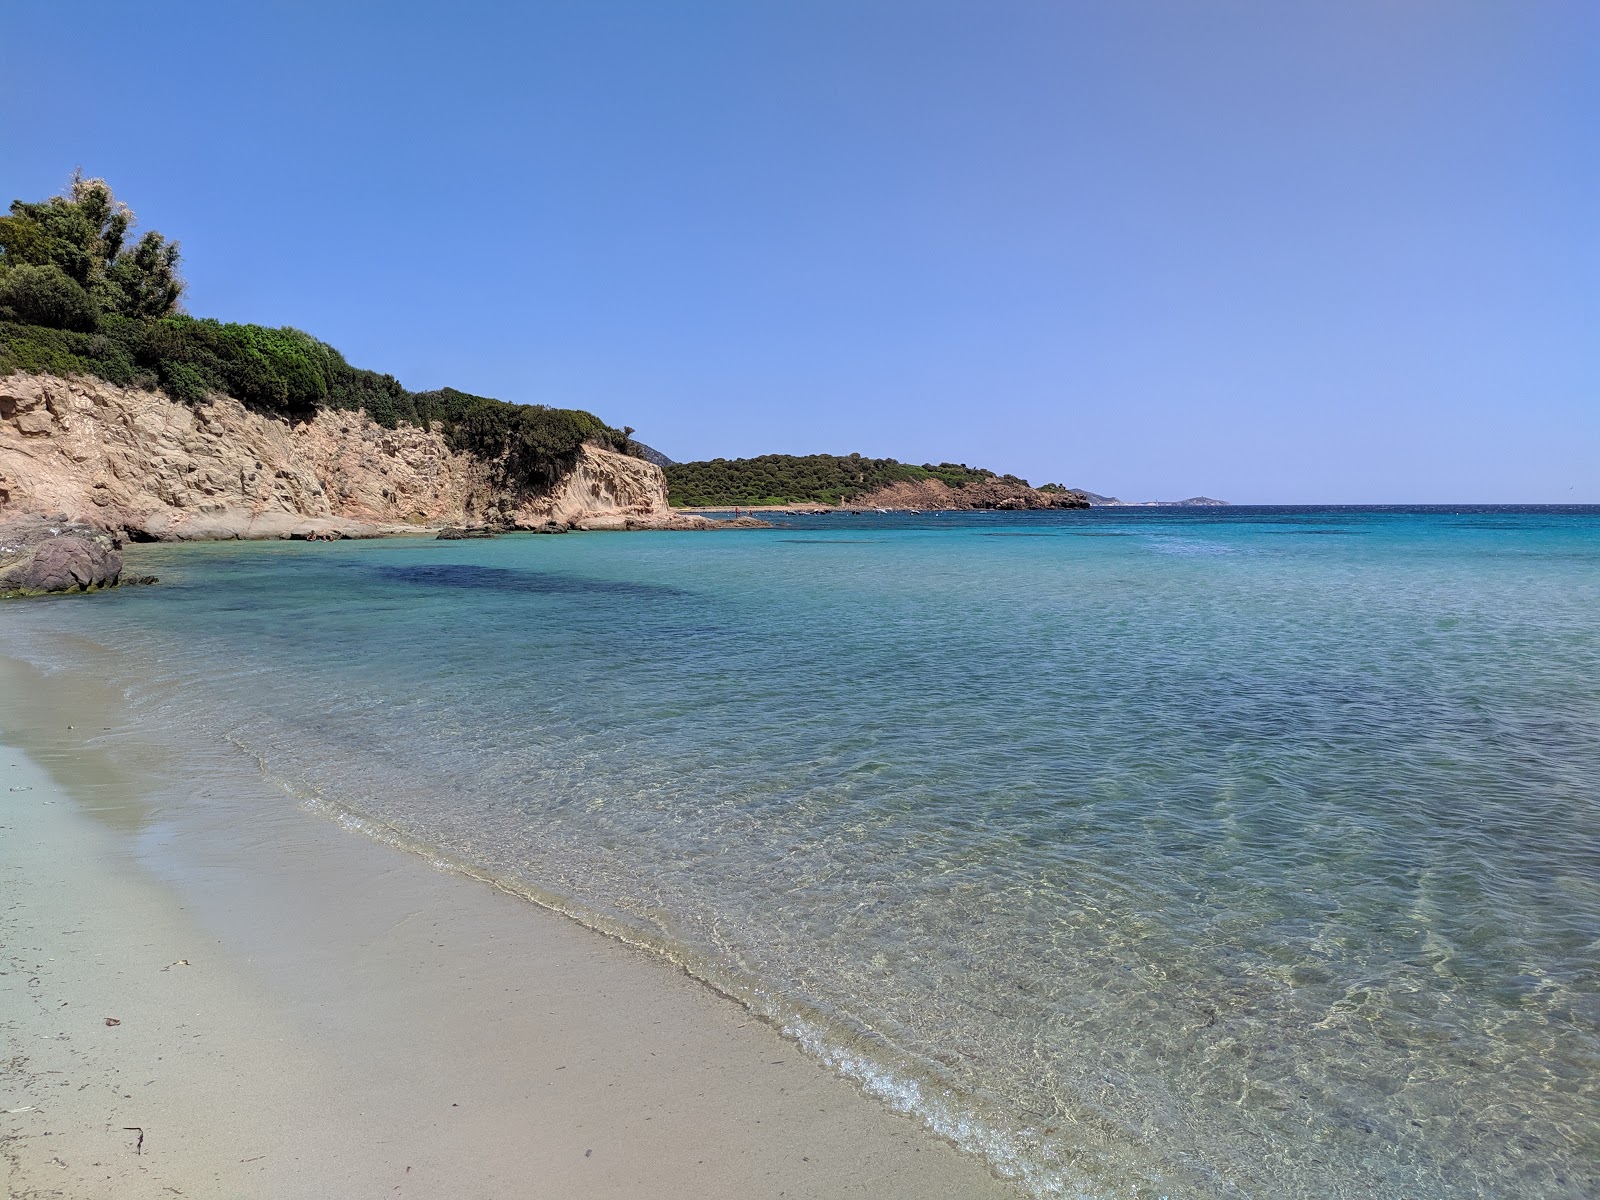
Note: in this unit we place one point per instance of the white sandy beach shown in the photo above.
(302, 1012)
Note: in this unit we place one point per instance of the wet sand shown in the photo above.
(303, 1012)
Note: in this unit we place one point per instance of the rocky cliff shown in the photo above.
(136, 461)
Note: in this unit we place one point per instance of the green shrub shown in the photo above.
(45, 295)
(527, 441)
(62, 352)
(280, 370)
(183, 383)
(958, 475)
(381, 397)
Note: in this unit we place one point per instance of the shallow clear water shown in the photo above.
(1241, 852)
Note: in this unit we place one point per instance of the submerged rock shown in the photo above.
(455, 533)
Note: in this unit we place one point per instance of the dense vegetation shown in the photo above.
(76, 299)
(802, 479)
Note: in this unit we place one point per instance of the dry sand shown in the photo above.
(302, 1012)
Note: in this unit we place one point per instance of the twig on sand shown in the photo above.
(138, 1147)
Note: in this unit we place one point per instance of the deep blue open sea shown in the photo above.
(1147, 852)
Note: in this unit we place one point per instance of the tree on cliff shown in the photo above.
(66, 260)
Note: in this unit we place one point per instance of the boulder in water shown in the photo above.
(455, 533)
(39, 555)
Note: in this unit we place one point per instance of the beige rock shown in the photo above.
(34, 424)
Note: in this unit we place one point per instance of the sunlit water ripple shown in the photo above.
(1242, 852)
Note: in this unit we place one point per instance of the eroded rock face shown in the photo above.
(39, 555)
(134, 460)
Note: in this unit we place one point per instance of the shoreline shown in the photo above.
(439, 1037)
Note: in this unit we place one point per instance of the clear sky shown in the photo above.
(1288, 251)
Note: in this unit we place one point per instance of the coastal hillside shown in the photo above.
(853, 479)
(118, 408)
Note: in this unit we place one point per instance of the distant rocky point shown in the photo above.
(855, 481)
(1004, 494)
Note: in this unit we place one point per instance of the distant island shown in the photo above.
(773, 480)
(1098, 501)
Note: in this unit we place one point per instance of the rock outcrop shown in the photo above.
(138, 462)
(455, 533)
(40, 554)
(996, 492)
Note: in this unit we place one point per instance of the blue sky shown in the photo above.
(1287, 251)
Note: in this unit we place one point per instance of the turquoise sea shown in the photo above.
(1146, 852)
